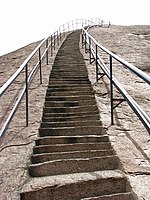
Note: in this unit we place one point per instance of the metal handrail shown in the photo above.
(54, 38)
(20, 69)
(28, 78)
(134, 69)
(86, 40)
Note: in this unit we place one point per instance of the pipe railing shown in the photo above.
(79, 23)
(92, 46)
(49, 43)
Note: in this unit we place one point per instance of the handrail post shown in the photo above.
(64, 29)
(54, 41)
(111, 91)
(40, 65)
(47, 52)
(51, 45)
(96, 64)
(82, 38)
(57, 39)
(90, 49)
(60, 34)
(27, 99)
(85, 43)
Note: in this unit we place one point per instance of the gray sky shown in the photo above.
(26, 21)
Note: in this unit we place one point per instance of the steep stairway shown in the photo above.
(73, 158)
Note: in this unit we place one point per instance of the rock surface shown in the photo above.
(130, 139)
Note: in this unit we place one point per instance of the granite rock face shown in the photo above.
(128, 136)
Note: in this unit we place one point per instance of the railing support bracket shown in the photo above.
(120, 101)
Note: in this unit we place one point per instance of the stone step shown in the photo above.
(71, 118)
(75, 109)
(69, 166)
(70, 98)
(69, 82)
(71, 131)
(70, 89)
(67, 62)
(77, 67)
(69, 70)
(44, 157)
(62, 56)
(71, 147)
(76, 64)
(71, 93)
(71, 139)
(66, 57)
(70, 79)
(85, 85)
(71, 56)
(71, 124)
(75, 186)
(80, 66)
(71, 114)
(68, 103)
(69, 73)
(118, 196)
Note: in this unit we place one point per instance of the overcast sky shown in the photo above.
(26, 21)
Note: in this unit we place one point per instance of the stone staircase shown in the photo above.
(72, 158)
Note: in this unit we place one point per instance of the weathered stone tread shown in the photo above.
(44, 157)
(75, 186)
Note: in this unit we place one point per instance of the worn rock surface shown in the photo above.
(130, 139)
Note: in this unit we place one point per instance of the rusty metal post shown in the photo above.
(60, 34)
(111, 91)
(85, 42)
(82, 38)
(90, 50)
(47, 52)
(57, 38)
(54, 41)
(27, 98)
(40, 65)
(51, 45)
(96, 63)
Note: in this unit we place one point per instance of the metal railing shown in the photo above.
(92, 46)
(47, 44)
(79, 23)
